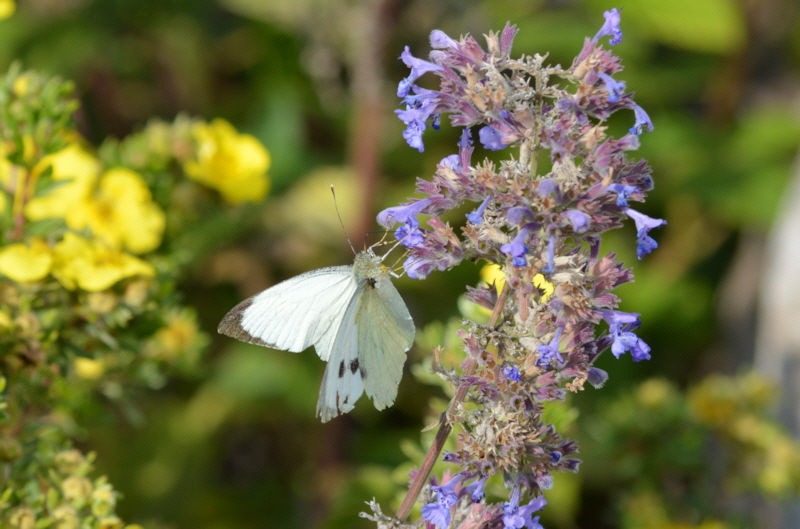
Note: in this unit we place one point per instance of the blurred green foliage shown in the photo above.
(229, 438)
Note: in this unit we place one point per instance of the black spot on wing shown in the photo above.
(341, 369)
(354, 366)
(371, 282)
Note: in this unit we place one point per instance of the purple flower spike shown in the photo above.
(615, 89)
(610, 27)
(642, 121)
(645, 243)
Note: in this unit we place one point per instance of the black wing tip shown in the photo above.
(231, 325)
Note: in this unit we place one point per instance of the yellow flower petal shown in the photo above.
(121, 213)
(93, 266)
(493, 274)
(89, 368)
(234, 164)
(545, 286)
(78, 169)
(7, 8)
(26, 263)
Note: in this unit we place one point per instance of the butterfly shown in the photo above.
(352, 315)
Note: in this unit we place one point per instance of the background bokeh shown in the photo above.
(236, 444)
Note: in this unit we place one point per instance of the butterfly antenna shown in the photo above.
(341, 223)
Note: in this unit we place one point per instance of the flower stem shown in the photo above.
(445, 426)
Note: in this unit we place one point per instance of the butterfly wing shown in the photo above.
(342, 384)
(302, 311)
(385, 333)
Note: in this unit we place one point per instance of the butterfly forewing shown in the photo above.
(385, 333)
(295, 314)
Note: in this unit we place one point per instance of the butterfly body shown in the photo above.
(352, 315)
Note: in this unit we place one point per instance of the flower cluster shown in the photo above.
(89, 261)
(62, 493)
(539, 217)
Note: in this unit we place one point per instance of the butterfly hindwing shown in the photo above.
(385, 333)
(342, 384)
(295, 314)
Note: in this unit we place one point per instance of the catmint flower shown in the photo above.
(548, 187)
(491, 139)
(418, 68)
(400, 214)
(610, 27)
(517, 248)
(417, 268)
(597, 377)
(642, 121)
(620, 326)
(549, 351)
(452, 161)
(512, 373)
(623, 193)
(578, 219)
(420, 108)
(409, 233)
(439, 39)
(615, 88)
(438, 512)
(645, 243)
(476, 217)
(476, 488)
(516, 517)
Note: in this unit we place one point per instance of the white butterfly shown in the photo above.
(354, 318)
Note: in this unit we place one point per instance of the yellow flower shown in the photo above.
(493, 274)
(234, 164)
(103, 500)
(7, 8)
(75, 171)
(545, 286)
(121, 212)
(179, 336)
(76, 490)
(26, 263)
(93, 266)
(22, 518)
(88, 368)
